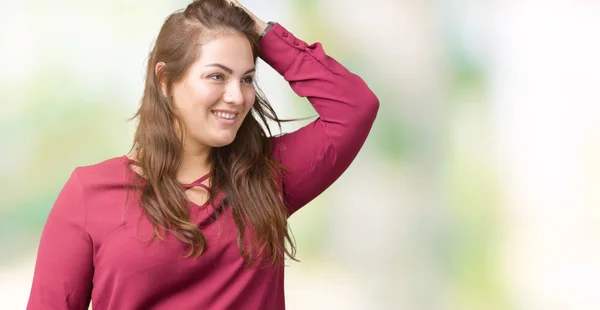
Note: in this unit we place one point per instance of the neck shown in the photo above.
(194, 164)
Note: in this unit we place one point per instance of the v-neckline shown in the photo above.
(185, 186)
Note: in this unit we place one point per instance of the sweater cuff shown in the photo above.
(279, 48)
(269, 26)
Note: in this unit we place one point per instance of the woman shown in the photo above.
(195, 217)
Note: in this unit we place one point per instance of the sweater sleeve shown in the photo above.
(64, 268)
(317, 154)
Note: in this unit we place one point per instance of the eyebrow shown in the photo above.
(228, 69)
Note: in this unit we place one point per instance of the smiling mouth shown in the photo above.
(225, 115)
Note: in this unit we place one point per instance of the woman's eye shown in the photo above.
(248, 80)
(218, 77)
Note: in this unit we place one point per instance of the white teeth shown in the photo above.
(224, 115)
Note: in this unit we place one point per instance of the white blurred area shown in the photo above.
(546, 114)
(379, 226)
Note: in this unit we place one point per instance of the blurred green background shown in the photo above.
(477, 189)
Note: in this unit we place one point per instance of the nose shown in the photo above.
(233, 94)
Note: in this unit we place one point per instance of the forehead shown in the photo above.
(231, 50)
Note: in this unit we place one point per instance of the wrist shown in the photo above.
(261, 26)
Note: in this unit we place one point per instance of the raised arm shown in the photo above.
(317, 154)
(64, 269)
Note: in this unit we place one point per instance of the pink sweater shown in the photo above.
(93, 244)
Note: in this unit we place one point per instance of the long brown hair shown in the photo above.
(244, 171)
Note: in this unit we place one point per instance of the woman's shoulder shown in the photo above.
(103, 190)
(108, 171)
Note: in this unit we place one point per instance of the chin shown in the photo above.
(221, 142)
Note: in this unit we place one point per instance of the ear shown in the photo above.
(158, 72)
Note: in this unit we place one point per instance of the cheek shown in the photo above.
(250, 99)
(205, 96)
(194, 97)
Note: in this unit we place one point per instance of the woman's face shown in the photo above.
(217, 92)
